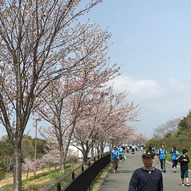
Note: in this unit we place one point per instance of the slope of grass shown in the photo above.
(41, 181)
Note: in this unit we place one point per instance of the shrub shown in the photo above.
(2, 170)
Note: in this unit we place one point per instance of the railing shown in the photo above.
(84, 179)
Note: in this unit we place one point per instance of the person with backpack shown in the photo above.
(184, 160)
(161, 156)
(175, 155)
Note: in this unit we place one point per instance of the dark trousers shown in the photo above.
(163, 164)
(174, 163)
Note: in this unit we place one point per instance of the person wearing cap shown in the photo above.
(175, 155)
(147, 178)
(114, 158)
(161, 156)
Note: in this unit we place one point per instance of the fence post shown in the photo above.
(93, 170)
(73, 176)
(58, 187)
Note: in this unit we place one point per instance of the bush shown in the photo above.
(2, 173)
(2, 170)
(72, 159)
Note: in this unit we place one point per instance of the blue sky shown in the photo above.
(151, 42)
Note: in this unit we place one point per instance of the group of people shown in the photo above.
(148, 177)
(183, 160)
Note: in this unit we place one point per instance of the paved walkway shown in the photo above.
(120, 181)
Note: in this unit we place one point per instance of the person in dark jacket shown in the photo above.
(146, 178)
(184, 160)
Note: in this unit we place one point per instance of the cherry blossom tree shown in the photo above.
(62, 107)
(28, 165)
(105, 113)
(141, 138)
(120, 134)
(52, 156)
(137, 138)
(38, 38)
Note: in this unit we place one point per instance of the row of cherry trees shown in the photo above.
(54, 66)
(82, 110)
(86, 119)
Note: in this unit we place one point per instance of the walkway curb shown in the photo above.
(101, 182)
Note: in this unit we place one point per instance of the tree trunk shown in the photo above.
(27, 173)
(85, 157)
(102, 148)
(92, 152)
(62, 161)
(85, 154)
(17, 183)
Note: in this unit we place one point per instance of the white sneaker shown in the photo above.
(187, 184)
(182, 184)
(114, 171)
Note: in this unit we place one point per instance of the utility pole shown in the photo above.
(35, 147)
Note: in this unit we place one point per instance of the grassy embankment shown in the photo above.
(43, 179)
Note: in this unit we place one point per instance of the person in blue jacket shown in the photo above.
(175, 155)
(114, 158)
(120, 149)
(146, 178)
(161, 156)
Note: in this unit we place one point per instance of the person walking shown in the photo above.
(184, 160)
(153, 149)
(146, 178)
(142, 148)
(133, 149)
(114, 158)
(174, 157)
(128, 147)
(161, 156)
(120, 149)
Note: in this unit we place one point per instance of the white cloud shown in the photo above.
(177, 86)
(142, 89)
(158, 101)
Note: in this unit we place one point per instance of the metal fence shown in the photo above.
(83, 180)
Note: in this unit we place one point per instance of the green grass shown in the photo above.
(43, 180)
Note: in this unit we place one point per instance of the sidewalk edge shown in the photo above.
(103, 180)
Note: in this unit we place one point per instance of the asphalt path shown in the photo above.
(120, 181)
